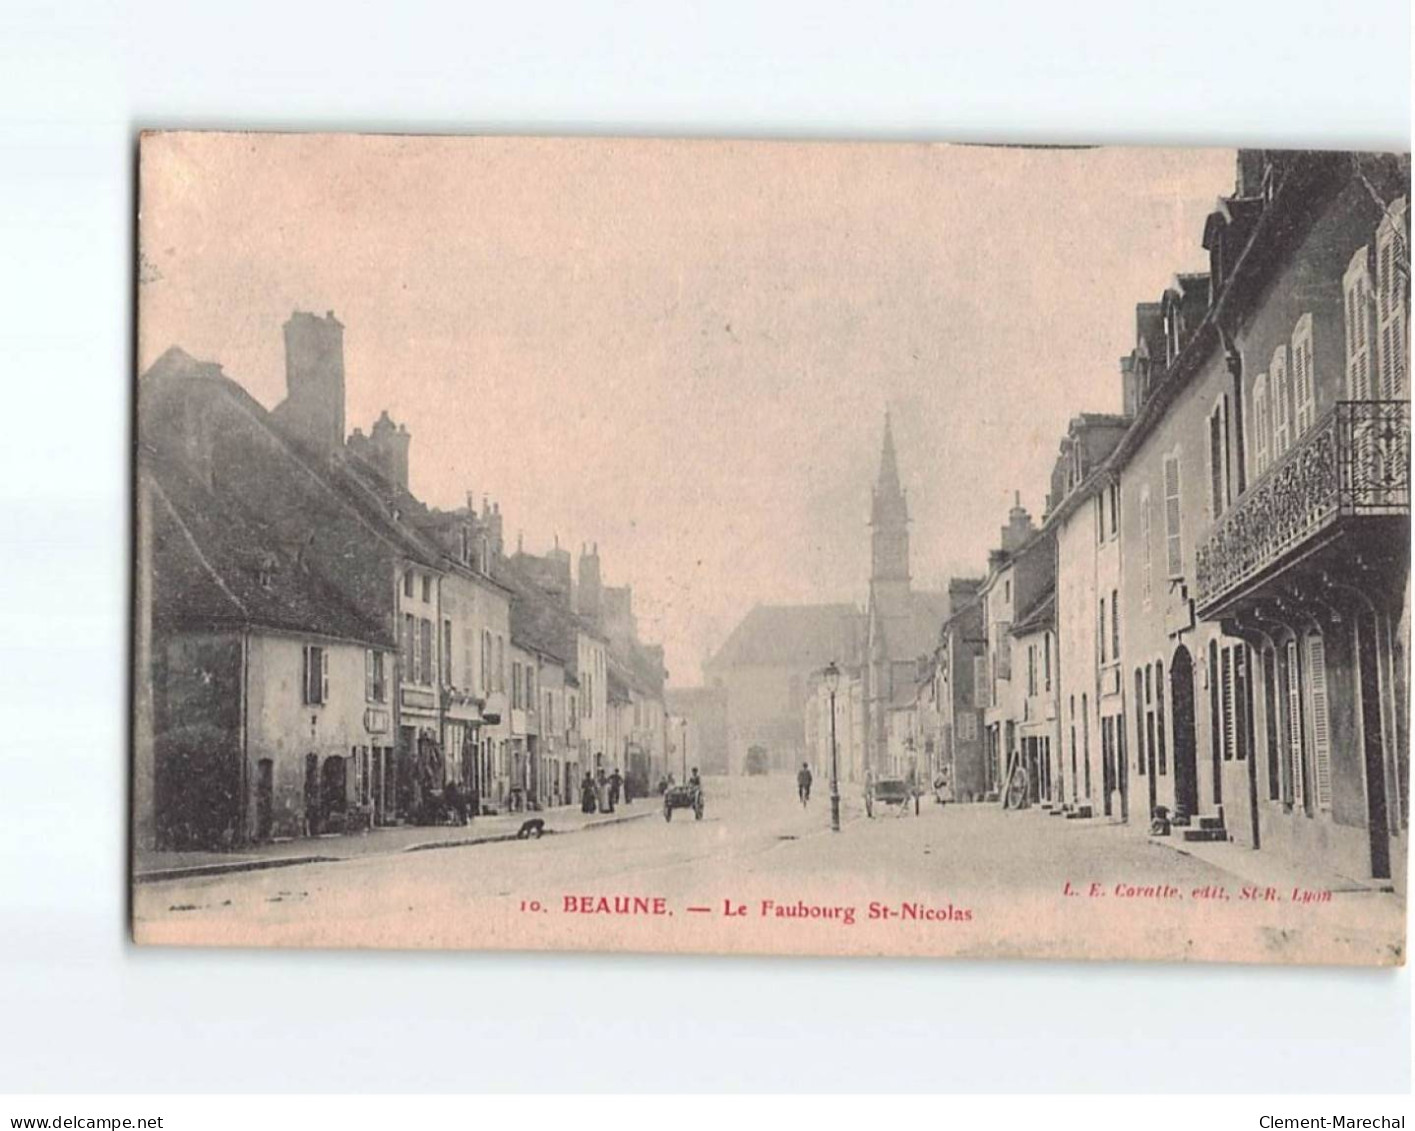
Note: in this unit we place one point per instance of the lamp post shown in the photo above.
(832, 682)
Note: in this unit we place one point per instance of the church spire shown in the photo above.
(889, 517)
(888, 482)
(888, 505)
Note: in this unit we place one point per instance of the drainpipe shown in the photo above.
(247, 833)
(1233, 358)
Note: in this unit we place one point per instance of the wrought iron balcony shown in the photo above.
(1354, 463)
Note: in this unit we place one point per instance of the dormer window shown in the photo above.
(266, 571)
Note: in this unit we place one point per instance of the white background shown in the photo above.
(80, 1009)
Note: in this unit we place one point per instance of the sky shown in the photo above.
(683, 351)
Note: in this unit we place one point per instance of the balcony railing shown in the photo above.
(1355, 461)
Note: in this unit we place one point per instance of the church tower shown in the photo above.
(889, 536)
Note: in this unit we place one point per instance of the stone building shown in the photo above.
(1265, 522)
(1083, 515)
(764, 671)
(273, 623)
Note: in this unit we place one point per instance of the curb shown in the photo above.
(1349, 886)
(196, 871)
(499, 838)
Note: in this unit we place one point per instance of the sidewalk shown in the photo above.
(151, 866)
(1244, 864)
(1264, 869)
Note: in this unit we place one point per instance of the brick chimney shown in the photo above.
(313, 409)
(1019, 526)
(590, 599)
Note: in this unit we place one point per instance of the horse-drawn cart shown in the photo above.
(683, 797)
(892, 793)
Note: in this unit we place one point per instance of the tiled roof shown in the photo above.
(791, 636)
(219, 557)
(1042, 614)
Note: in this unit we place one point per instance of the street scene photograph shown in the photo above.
(750, 547)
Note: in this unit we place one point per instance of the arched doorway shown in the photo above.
(1181, 695)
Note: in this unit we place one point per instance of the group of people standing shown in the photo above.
(600, 793)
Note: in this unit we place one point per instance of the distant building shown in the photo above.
(1083, 515)
(764, 672)
(959, 681)
(705, 709)
(901, 623)
(1020, 571)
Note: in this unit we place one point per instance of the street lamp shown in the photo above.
(832, 682)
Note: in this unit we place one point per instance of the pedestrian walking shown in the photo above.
(803, 783)
(616, 784)
(588, 801)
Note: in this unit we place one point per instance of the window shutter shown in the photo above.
(1357, 288)
(1216, 463)
(1260, 422)
(1302, 379)
(1391, 327)
(1294, 726)
(368, 676)
(1145, 540)
(1226, 700)
(324, 675)
(305, 674)
(1281, 432)
(1173, 517)
(1321, 732)
(1115, 628)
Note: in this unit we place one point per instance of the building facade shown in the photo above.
(1265, 510)
(1083, 514)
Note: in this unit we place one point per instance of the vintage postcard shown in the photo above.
(786, 548)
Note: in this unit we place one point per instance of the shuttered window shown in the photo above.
(1392, 258)
(1146, 546)
(1356, 287)
(1226, 689)
(426, 672)
(1173, 517)
(1262, 424)
(1282, 435)
(314, 675)
(1217, 494)
(1295, 785)
(1163, 766)
(1139, 722)
(1303, 381)
(1115, 628)
(409, 648)
(375, 682)
(1321, 723)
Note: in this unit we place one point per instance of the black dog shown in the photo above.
(532, 829)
